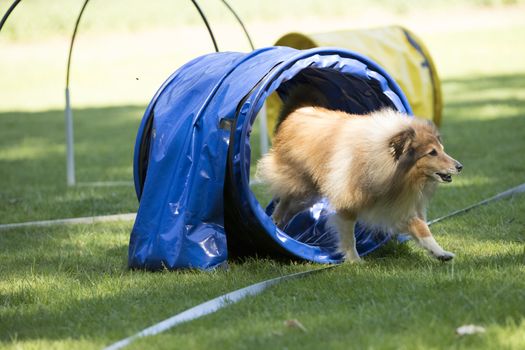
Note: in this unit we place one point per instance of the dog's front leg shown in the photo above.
(279, 213)
(418, 228)
(344, 223)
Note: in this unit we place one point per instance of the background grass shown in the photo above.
(68, 286)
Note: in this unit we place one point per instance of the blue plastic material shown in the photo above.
(192, 157)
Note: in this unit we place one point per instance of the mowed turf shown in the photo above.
(68, 287)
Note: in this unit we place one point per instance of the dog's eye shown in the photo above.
(433, 153)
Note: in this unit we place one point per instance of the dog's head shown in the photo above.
(418, 149)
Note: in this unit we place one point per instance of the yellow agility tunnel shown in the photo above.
(399, 51)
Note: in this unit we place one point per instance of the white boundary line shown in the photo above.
(209, 307)
(511, 191)
(105, 183)
(83, 220)
(89, 219)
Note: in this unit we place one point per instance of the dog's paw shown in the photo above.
(281, 225)
(352, 257)
(445, 256)
(277, 222)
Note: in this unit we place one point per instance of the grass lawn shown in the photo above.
(68, 287)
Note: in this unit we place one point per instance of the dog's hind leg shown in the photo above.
(344, 223)
(420, 231)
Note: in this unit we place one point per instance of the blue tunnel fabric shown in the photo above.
(192, 157)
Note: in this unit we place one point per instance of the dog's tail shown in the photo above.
(265, 167)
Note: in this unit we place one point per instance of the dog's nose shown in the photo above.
(459, 166)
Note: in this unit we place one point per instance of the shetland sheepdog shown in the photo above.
(380, 168)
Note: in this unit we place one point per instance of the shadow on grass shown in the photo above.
(33, 167)
(104, 139)
(48, 203)
(55, 250)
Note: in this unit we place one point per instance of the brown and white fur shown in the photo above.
(380, 168)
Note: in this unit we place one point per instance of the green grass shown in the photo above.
(66, 287)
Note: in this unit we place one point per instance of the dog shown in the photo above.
(381, 168)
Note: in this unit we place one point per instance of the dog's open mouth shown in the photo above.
(445, 177)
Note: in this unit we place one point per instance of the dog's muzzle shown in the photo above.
(445, 177)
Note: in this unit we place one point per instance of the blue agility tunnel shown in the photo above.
(192, 157)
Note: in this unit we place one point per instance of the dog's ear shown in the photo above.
(400, 142)
(435, 130)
